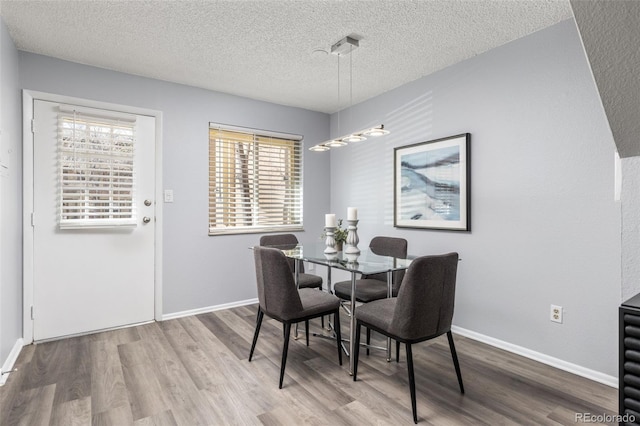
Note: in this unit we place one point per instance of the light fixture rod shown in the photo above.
(338, 96)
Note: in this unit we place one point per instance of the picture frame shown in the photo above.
(432, 184)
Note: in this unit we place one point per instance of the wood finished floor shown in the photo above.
(194, 371)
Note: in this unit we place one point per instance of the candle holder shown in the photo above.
(352, 238)
(330, 242)
(352, 258)
(331, 256)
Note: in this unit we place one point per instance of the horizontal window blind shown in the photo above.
(255, 182)
(97, 177)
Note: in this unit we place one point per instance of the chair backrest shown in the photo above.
(389, 246)
(283, 240)
(426, 297)
(277, 292)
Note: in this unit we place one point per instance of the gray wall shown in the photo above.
(545, 227)
(10, 197)
(198, 271)
(630, 225)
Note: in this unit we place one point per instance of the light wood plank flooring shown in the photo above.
(194, 371)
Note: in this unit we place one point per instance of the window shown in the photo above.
(96, 171)
(255, 181)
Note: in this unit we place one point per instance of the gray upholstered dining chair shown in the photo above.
(283, 240)
(374, 287)
(304, 280)
(281, 300)
(423, 310)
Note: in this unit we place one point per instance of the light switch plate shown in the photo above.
(168, 195)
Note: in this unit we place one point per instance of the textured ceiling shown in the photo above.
(264, 49)
(610, 33)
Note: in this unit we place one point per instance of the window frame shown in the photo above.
(269, 144)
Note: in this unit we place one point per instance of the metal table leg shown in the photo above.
(296, 276)
(330, 290)
(389, 294)
(352, 331)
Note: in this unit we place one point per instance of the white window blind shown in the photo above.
(97, 177)
(255, 182)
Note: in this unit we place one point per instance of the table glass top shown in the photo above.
(367, 262)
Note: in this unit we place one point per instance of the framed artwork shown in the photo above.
(432, 184)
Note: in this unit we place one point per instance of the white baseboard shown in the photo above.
(10, 361)
(208, 309)
(540, 357)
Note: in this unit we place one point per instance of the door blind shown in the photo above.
(97, 176)
(255, 182)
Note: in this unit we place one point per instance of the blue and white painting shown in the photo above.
(431, 184)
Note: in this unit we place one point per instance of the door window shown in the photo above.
(96, 157)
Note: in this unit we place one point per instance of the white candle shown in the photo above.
(352, 213)
(330, 220)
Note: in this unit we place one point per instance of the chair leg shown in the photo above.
(285, 348)
(397, 351)
(356, 352)
(255, 334)
(336, 322)
(322, 317)
(306, 330)
(412, 382)
(454, 355)
(368, 339)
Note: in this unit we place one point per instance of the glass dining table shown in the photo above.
(367, 262)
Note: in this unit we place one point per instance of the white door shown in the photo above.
(93, 221)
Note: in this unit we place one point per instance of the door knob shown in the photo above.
(146, 219)
(147, 202)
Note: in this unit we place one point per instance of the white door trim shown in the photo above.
(28, 98)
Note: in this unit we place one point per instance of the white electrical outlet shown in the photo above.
(168, 195)
(556, 314)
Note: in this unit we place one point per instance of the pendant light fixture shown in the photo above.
(341, 48)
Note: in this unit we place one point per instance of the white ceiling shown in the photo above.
(264, 49)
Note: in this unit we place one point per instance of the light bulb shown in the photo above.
(376, 131)
(354, 138)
